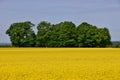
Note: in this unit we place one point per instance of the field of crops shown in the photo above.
(59, 64)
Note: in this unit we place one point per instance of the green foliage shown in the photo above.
(63, 34)
(2, 45)
(91, 36)
(21, 34)
(42, 34)
(116, 44)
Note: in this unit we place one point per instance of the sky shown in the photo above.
(101, 13)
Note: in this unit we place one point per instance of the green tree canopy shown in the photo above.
(21, 34)
(63, 35)
(42, 36)
(91, 36)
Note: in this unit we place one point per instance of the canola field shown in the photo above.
(59, 64)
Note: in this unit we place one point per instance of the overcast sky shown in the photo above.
(102, 13)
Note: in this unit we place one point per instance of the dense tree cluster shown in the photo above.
(21, 34)
(63, 34)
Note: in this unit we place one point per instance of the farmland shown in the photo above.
(59, 64)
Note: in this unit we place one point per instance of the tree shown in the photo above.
(63, 35)
(91, 36)
(42, 36)
(21, 34)
(104, 36)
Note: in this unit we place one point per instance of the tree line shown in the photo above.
(63, 34)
